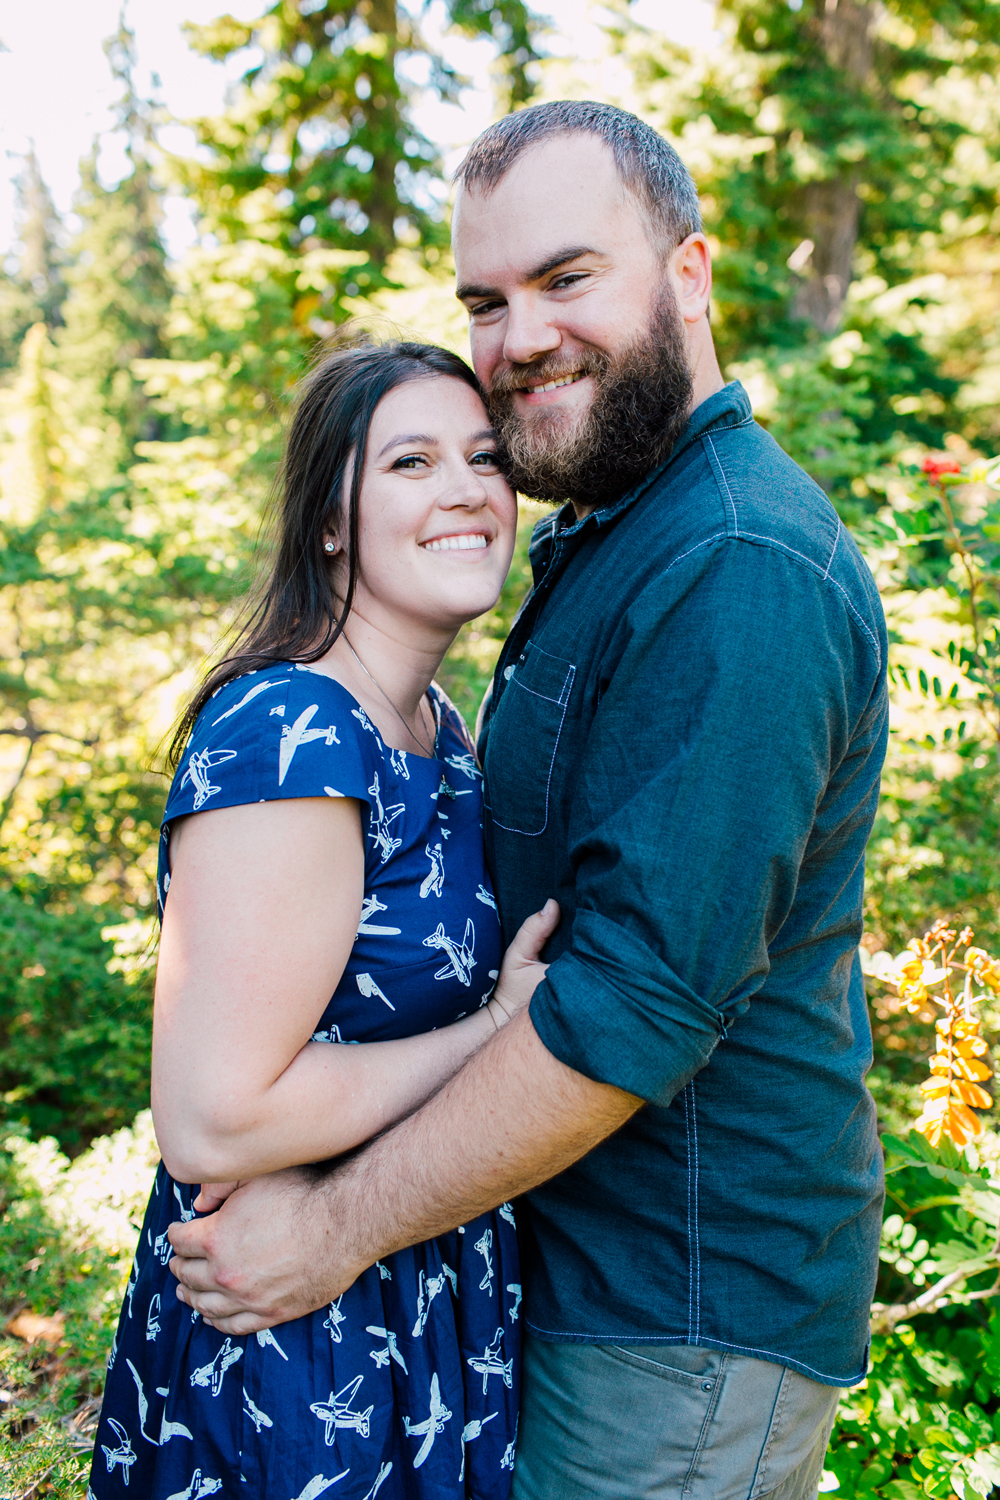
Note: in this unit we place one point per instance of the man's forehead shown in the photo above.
(561, 194)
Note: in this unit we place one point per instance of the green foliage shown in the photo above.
(848, 158)
(933, 847)
(317, 149)
(840, 132)
(66, 1233)
(141, 410)
(33, 289)
(74, 1038)
(926, 1421)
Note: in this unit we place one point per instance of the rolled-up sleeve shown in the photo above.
(740, 678)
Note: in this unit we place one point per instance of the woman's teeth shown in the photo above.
(554, 385)
(456, 543)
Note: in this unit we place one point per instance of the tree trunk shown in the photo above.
(832, 207)
(383, 207)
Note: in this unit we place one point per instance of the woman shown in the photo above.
(336, 849)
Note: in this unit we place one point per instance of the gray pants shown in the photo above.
(666, 1422)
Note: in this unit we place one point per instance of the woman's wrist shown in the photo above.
(498, 1011)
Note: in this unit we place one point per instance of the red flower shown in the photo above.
(937, 466)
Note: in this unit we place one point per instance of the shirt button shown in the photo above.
(508, 673)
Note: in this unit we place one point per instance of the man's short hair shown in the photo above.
(648, 166)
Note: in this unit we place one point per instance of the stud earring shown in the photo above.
(330, 547)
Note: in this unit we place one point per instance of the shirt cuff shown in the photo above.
(630, 1022)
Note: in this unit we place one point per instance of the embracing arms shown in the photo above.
(262, 913)
(281, 1246)
(692, 824)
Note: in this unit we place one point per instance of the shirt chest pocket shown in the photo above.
(524, 740)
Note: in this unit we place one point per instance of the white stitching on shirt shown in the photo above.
(687, 1134)
(567, 688)
(752, 536)
(697, 1239)
(720, 536)
(773, 542)
(833, 550)
(722, 474)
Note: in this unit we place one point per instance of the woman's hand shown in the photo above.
(213, 1195)
(522, 971)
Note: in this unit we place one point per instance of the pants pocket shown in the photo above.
(609, 1423)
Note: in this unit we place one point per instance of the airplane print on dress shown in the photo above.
(431, 1427)
(400, 1389)
(337, 1412)
(433, 882)
(460, 960)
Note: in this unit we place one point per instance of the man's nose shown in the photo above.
(529, 332)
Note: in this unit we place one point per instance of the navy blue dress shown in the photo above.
(407, 1385)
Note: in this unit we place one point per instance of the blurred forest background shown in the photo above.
(848, 154)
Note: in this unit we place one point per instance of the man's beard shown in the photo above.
(639, 409)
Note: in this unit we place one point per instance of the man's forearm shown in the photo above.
(511, 1118)
(281, 1246)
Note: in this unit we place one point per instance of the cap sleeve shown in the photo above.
(281, 732)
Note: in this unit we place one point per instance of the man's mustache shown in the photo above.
(511, 379)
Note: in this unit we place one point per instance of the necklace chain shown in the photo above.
(411, 732)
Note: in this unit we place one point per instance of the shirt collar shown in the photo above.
(726, 408)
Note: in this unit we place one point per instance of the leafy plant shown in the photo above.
(958, 1067)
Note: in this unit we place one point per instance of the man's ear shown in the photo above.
(690, 273)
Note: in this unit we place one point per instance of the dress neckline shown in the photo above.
(433, 694)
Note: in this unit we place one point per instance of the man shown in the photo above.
(683, 746)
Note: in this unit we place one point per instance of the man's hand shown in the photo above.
(284, 1245)
(271, 1253)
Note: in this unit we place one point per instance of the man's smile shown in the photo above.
(554, 385)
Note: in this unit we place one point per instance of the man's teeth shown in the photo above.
(554, 385)
(456, 543)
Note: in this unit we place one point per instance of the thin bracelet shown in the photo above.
(502, 1007)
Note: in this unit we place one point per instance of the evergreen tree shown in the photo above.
(836, 140)
(40, 230)
(850, 142)
(119, 292)
(317, 149)
(32, 289)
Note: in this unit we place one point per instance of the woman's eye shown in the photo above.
(486, 459)
(410, 461)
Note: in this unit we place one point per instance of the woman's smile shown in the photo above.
(458, 541)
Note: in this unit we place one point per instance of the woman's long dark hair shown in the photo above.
(289, 615)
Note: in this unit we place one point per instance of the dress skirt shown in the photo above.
(404, 1388)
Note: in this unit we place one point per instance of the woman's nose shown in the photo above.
(463, 487)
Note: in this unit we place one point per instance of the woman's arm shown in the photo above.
(262, 914)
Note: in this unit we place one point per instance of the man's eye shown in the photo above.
(570, 279)
(483, 308)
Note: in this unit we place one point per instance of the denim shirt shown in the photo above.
(683, 746)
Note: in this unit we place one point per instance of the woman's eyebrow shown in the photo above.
(405, 438)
